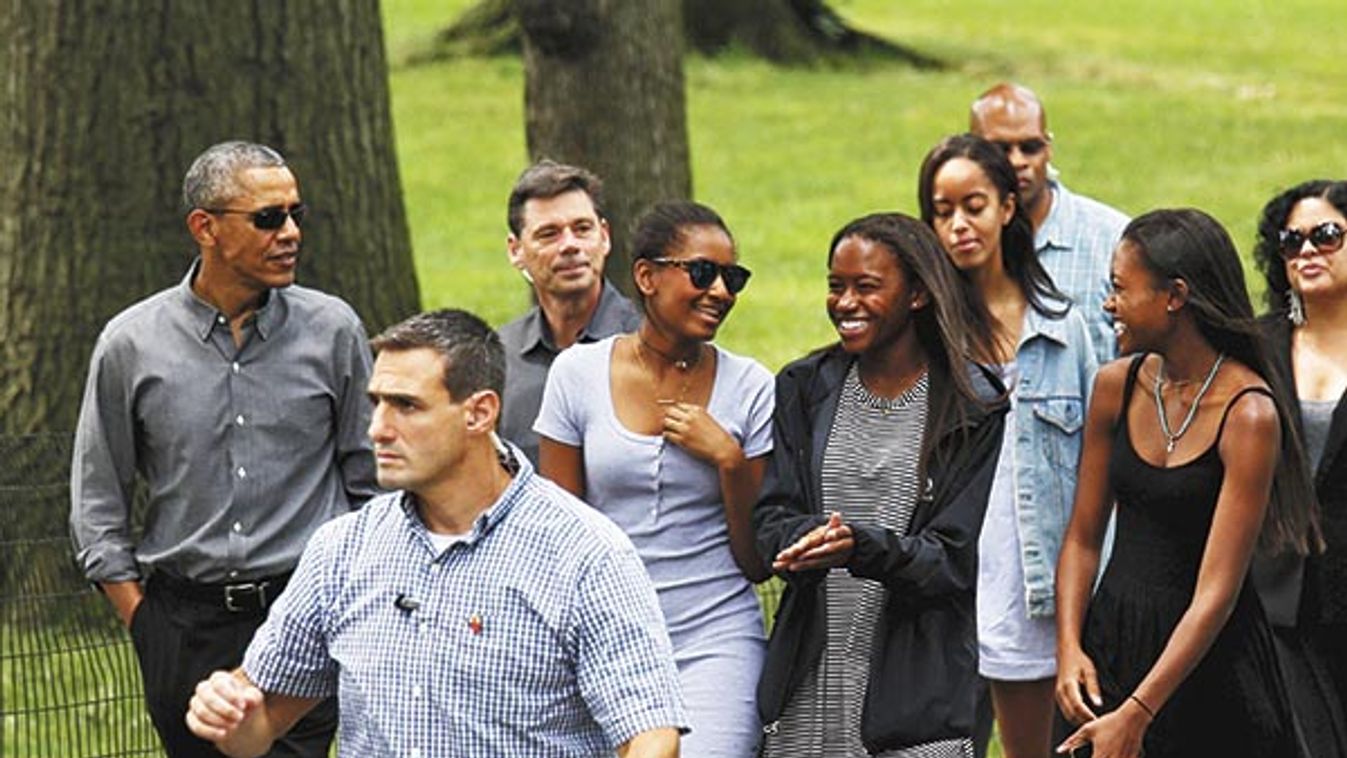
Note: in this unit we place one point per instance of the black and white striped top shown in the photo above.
(869, 476)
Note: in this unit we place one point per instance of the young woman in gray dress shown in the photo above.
(1300, 253)
(667, 434)
(885, 446)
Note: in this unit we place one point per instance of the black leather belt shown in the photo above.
(253, 596)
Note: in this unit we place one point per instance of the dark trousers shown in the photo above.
(180, 641)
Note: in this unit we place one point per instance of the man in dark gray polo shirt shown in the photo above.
(559, 242)
(239, 399)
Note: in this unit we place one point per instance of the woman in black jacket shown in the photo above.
(885, 446)
(1300, 253)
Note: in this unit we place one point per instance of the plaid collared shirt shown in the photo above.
(537, 634)
(1075, 244)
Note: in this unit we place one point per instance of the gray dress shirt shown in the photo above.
(244, 451)
(529, 352)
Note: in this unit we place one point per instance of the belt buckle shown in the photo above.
(257, 588)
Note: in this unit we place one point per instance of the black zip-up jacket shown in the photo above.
(923, 670)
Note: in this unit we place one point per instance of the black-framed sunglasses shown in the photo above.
(1032, 146)
(1326, 238)
(703, 273)
(270, 218)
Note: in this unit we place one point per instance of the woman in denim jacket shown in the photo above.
(1042, 350)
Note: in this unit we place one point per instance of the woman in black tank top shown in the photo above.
(1172, 655)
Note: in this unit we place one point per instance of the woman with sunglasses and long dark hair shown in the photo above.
(1171, 655)
(967, 191)
(667, 434)
(1300, 253)
(885, 447)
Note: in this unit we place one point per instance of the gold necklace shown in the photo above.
(685, 367)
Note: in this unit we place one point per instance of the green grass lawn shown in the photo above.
(1205, 103)
(1211, 104)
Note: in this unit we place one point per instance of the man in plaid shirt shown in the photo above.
(479, 610)
(1074, 235)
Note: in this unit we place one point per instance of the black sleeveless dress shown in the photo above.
(1233, 703)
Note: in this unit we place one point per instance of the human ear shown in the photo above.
(607, 235)
(643, 275)
(480, 411)
(514, 249)
(921, 298)
(201, 225)
(1178, 295)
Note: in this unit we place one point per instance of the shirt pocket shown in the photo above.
(1056, 441)
(502, 643)
(1058, 425)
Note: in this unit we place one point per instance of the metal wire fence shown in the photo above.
(70, 686)
(69, 682)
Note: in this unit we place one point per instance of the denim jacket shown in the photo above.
(1055, 363)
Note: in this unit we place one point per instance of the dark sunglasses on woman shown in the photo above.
(1326, 238)
(703, 273)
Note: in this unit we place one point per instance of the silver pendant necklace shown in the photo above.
(1173, 439)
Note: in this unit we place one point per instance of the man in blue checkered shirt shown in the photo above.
(479, 610)
(1074, 235)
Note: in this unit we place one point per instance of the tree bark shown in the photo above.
(106, 102)
(782, 31)
(604, 90)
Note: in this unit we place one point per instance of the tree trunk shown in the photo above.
(604, 90)
(782, 31)
(106, 102)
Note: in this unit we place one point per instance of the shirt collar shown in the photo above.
(265, 320)
(489, 519)
(605, 321)
(1061, 216)
(1038, 325)
(535, 331)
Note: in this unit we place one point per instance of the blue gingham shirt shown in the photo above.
(1075, 244)
(539, 634)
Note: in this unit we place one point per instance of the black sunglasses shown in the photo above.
(1032, 146)
(703, 273)
(1326, 238)
(270, 218)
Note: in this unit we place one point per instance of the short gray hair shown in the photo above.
(212, 180)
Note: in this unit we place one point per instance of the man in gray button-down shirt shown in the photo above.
(238, 399)
(559, 242)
